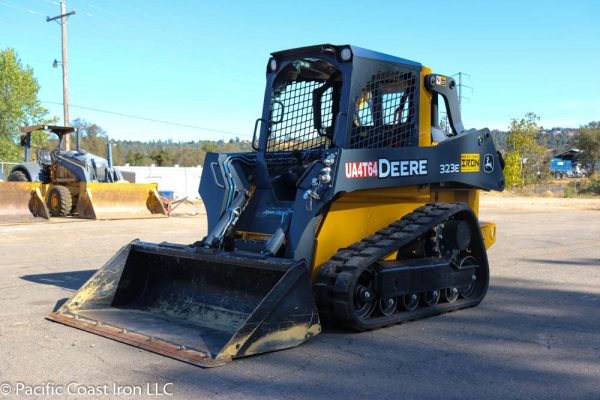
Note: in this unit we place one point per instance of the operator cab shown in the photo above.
(328, 96)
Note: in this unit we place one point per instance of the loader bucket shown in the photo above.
(21, 202)
(119, 200)
(204, 309)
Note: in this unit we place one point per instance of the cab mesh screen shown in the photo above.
(384, 112)
(292, 119)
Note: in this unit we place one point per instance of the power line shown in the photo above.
(152, 119)
(156, 54)
(461, 85)
(21, 9)
(65, 71)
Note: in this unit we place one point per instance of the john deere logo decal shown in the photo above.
(488, 163)
(469, 162)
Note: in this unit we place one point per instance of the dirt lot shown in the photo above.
(535, 336)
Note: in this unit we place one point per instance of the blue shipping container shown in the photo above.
(560, 165)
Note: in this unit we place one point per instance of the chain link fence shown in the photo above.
(5, 167)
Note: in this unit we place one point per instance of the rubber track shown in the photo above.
(337, 277)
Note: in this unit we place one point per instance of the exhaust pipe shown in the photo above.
(27, 147)
(78, 143)
(109, 155)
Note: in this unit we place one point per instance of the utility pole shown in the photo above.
(65, 70)
(461, 85)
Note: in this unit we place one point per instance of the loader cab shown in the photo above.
(39, 169)
(323, 97)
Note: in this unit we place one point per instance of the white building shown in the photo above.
(182, 181)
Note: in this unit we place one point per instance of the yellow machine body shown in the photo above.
(359, 214)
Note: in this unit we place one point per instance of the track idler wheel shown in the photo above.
(365, 299)
(472, 288)
(431, 298)
(387, 305)
(450, 295)
(410, 301)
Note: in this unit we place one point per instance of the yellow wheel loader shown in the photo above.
(355, 207)
(72, 183)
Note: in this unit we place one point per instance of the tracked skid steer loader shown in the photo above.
(355, 207)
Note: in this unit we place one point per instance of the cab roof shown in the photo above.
(356, 52)
(59, 130)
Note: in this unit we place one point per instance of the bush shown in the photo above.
(591, 186)
(569, 191)
(584, 186)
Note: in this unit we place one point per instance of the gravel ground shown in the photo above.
(536, 335)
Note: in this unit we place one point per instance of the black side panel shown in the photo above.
(223, 175)
(468, 159)
(212, 189)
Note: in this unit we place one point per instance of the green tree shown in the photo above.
(210, 147)
(93, 137)
(136, 158)
(513, 169)
(19, 104)
(524, 157)
(588, 140)
(163, 158)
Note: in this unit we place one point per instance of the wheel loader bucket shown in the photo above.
(204, 309)
(21, 202)
(119, 200)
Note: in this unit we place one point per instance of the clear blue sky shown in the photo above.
(202, 63)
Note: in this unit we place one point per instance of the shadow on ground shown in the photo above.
(578, 261)
(521, 342)
(68, 280)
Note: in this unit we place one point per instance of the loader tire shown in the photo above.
(59, 201)
(18, 176)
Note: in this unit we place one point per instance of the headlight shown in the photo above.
(346, 54)
(273, 65)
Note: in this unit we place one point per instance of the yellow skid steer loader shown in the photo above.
(355, 207)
